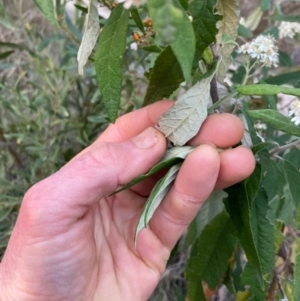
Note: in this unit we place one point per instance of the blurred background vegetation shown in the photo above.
(49, 113)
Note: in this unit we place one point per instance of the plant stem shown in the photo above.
(217, 104)
(279, 149)
(280, 286)
(248, 70)
(214, 90)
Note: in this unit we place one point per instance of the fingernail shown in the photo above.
(146, 139)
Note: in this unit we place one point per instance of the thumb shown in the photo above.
(101, 170)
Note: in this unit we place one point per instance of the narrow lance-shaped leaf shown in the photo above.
(184, 44)
(276, 120)
(109, 57)
(171, 157)
(183, 121)
(137, 19)
(157, 194)
(5, 54)
(229, 10)
(265, 89)
(47, 8)
(291, 78)
(90, 35)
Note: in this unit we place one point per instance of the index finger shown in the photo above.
(133, 123)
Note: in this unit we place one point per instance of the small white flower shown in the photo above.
(260, 126)
(295, 112)
(288, 29)
(128, 3)
(262, 48)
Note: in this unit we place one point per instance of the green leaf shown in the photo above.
(285, 60)
(184, 4)
(109, 57)
(18, 47)
(166, 18)
(296, 290)
(274, 180)
(265, 5)
(204, 23)
(293, 156)
(165, 78)
(281, 209)
(183, 121)
(297, 223)
(81, 8)
(184, 45)
(262, 89)
(156, 196)
(90, 36)
(276, 120)
(210, 255)
(244, 32)
(5, 54)
(253, 278)
(228, 26)
(247, 205)
(286, 18)
(46, 6)
(263, 145)
(292, 176)
(291, 78)
(208, 211)
(137, 19)
(171, 157)
(250, 130)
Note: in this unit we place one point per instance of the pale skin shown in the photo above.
(74, 242)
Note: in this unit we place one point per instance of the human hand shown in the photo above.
(74, 242)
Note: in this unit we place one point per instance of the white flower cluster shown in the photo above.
(288, 29)
(129, 3)
(295, 112)
(262, 48)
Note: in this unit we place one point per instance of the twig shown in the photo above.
(217, 104)
(214, 90)
(279, 149)
(280, 286)
(11, 150)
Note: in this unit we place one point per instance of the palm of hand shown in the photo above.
(92, 258)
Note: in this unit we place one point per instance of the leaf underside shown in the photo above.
(229, 10)
(183, 121)
(90, 35)
(157, 194)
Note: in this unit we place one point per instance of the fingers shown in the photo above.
(236, 165)
(204, 170)
(194, 183)
(222, 130)
(100, 171)
(131, 124)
